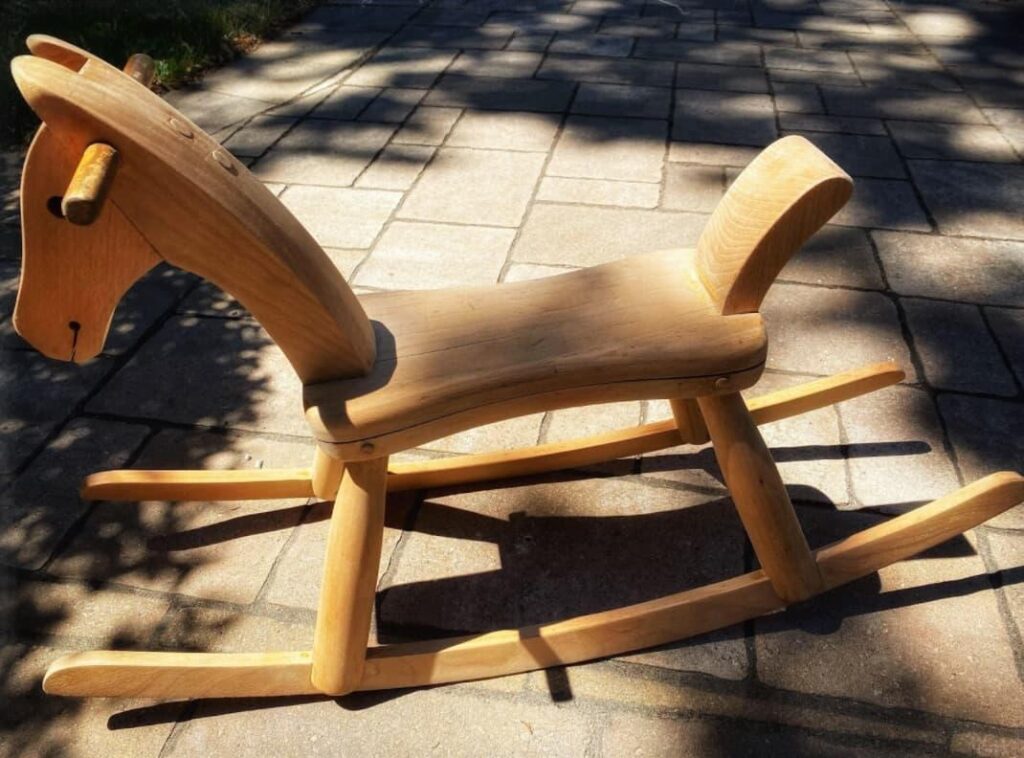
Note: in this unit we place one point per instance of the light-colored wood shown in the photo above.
(141, 68)
(783, 197)
(448, 360)
(210, 215)
(72, 277)
(689, 422)
(760, 497)
(198, 484)
(350, 578)
(326, 475)
(58, 51)
(130, 484)
(90, 184)
(655, 622)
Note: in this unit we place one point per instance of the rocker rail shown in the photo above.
(655, 622)
(130, 484)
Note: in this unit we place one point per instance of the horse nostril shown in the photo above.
(53, 206)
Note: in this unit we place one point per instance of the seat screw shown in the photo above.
(721, 382)
(181, 128)
(366, 448)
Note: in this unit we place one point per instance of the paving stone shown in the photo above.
(796, 97)
(956, 349)
(216, 551)
(396, 168)
(968, 142)
(450, 17)
(226, 630)
(504, 131)
(301, 105)
(542, 22)
(830, 61)
(729, 78)
(693, 188)
(501, 64)
(635, 691)
(896, 449)
(332, 18)
(705, 116)
(433, 256)
(574, 68)
(323, 152)
(794, 76)
(598, 192)
(522, 272)
(974, 199)
(607, 148)
(474, 187)
(582, 236)
(427, 126)
(504, 94)
(913, 105)
(611, 8)
(814, 123)
(345, 103)
(258, 135)
(1010, 123)
(727, 53)
(107, 618)
(281, 69)
(825, 331)
(884, 204)
(38, 393)
(860, 155)
(522, 431)
(481, 38)
(588, 420)
(246, 382)
(38, 724)
(1008, 556)
(708, 154)
(296, 579)
(461, 720)
(591, 44)
(530, 42)
(214, 110)
(393, 105)
(696, 32)
(341, 217)
(987, 436)
(402, 67)
(991, 86)
(498, 558)
(986, 744)
(835, 256)
(638, 27)
(866, 641)
(1008, 326)
(900, 71)
(622, 100)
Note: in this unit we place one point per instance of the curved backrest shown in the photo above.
(195, 206)
(784, 196)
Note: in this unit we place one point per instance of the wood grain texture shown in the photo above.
(449, 360)
(72, 277)
(760, 497)
(350, 578)
(784, 196)
(90, 184)
(326, 475)
(655, 622)
(211, 216)
(198, 484)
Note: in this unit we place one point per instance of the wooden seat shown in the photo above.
(642, 327)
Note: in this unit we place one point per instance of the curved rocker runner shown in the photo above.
(390, 371)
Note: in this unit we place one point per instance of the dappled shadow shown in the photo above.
(177, 375)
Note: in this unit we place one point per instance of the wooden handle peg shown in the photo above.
(141, 68)
(84, 197)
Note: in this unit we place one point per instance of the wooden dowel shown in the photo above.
(760, 497)
(326, 475)
(84, 197)
(350, 578)
(689, 422)
(141, 68)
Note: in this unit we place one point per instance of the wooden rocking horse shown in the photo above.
(117, 180)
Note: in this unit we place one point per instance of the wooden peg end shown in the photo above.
(141, 68)
(84, 197)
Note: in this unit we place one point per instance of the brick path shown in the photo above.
(447, 145)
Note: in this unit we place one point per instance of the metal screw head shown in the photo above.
(366, 448)
(721, 382)
(224, 160)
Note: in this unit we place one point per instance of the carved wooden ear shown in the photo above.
(58, 51)
(72, 277)
(784, 196)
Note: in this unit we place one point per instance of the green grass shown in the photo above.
(183, 36)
